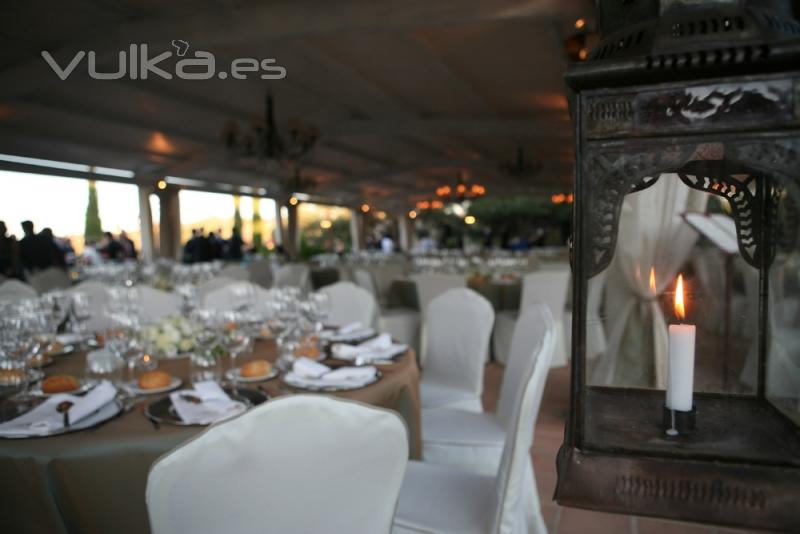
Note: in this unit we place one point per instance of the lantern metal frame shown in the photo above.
(742, 465)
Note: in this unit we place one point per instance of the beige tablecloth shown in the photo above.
(93, 481)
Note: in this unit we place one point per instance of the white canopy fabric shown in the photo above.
(652, 235)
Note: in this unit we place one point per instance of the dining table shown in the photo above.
(94, 480)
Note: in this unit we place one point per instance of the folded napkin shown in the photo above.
(308, 368)
(321, 376)
(205, 404)
(379, 348)
(347, 332)
(45, 419)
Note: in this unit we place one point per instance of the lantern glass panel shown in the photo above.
(665, 230)
(782, 380)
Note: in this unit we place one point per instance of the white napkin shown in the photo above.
(308, 368)
(45, 419)
(304, 376)
(347, 332)
(379, 348)
(214, 406)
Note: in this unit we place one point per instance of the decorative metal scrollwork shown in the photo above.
(743, 188)
(609, 177)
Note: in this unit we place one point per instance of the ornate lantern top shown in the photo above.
(651, 41)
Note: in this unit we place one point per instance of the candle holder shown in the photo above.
(676, 422)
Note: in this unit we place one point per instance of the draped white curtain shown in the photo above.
(652, 235)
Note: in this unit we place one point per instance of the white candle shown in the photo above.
(680, 374)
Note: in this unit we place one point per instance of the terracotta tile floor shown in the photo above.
(548, 436)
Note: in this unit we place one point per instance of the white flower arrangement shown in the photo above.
(172, 336)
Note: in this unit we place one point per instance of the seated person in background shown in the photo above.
(90, 254)
(235, 244)
(38, 251)
(9, 253)
(110, 248)
(128, 248)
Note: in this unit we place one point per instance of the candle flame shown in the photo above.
(653, 281)
(680, 309)
(146, 358)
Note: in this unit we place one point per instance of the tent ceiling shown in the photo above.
(406, 95)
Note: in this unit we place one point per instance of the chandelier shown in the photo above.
(263, 142)
(461, 191)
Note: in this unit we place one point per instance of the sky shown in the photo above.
(60, 203)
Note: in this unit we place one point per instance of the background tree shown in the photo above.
(237, 216)
(93, 229)
(257, 225)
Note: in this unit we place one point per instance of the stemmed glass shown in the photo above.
(18, 343)
(81, 311)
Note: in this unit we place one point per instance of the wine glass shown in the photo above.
(81, 310)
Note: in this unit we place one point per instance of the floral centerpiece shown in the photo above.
(172, 336)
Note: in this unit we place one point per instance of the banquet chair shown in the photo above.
(293, 275)
(458, 329)
(446, 499)
(97, 293)
(304, 463)
(548, 286)
(474, 441)
(208, 286)
(13, 290)
(349, 304)
(50, 279)
(401, 323)
(157, 305)
(260, 272)
(235, 271)
(429, 286)
(232, 296)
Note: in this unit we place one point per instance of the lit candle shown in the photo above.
(680, 376)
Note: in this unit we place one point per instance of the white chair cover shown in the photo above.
(227, 297)
(49, 279)
(235, 271)
(458, 330)
(215, 283)
(548, 286)
(97, 292)
(293, 275)
(429, 286)
(304, 463)
(157, 305)
(474, 441)
(364, 279)
(446, 499)
(13, 290)
(349, 304)
(261, 273)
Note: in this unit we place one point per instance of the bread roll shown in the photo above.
(255, 368)
(60, 384)
(154, 379)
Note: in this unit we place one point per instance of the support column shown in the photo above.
(404, 233)
(291, 239)
(170, 223)
(278, 236)
(357, 238)
(146, 223)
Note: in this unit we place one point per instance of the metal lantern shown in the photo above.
(686, 204)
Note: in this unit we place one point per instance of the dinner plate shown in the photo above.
(162, 411)
(288, 380)
(133, 388)
(85, 384)
(234, 375)
(66, 349)
(108, 411)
